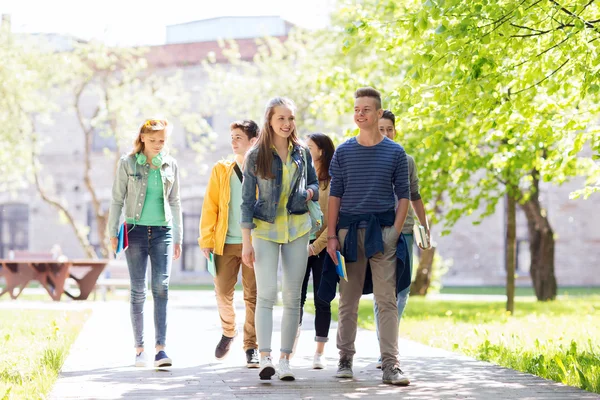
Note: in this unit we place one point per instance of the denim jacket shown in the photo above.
(129, 189)
(269, 190)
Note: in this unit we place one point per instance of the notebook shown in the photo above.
(210, 264)
(421, 237)
(341, 267)
(123, 239)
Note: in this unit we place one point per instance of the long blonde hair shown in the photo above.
(149, 126)
(264, 159)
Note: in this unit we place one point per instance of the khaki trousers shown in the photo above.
(228, 267)
(383, 267)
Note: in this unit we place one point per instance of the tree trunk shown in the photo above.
(541, 246)
(423, 278)
(511, 252)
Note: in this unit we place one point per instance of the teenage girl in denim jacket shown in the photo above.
(147, 184)
(277, 222)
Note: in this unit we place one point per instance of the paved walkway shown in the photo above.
(99, 366)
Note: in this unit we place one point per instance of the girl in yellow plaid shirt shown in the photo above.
(275, 220)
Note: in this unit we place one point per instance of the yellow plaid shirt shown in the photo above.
(286, 227)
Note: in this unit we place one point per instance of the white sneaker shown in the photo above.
(285, 373)
(319, 361)
(140, 359)
(267, 369)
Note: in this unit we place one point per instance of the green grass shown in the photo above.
(34, 345)
(520, 291)
(557, 340)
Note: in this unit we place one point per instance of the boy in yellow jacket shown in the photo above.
(221, 234)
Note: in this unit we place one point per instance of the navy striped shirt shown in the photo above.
(365, 178)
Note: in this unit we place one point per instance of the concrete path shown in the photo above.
(100, 364)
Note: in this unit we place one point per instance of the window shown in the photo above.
(14, 228)
(192, 259)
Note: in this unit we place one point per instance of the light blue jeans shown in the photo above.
(402, 297)
(293, 259)
(155, 242)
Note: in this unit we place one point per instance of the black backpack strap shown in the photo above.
(238, 172)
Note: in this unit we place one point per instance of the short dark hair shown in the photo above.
(387, 114)
(369, 92)
(249, 127)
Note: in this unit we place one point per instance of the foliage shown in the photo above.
(486, 92)
(34, 346)
(110, 91)
(27, 69)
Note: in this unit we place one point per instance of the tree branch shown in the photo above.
(545, 78)
(83, 240)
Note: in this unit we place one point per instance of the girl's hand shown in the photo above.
(248, 257)
(309, 195)
(114, 242)
(176, 251)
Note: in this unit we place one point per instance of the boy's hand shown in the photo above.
(206, 252)
(333, 245)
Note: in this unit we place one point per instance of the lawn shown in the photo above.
(34, 345)
(557, 340)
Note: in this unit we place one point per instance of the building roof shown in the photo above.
(186, 54)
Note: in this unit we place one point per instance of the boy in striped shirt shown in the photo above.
(366, 171)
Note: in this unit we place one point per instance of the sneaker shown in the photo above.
(319, 361)
(140, 360)
(252, 358)
(223, 347)
(285, 373)
(267, 369)
(162, 360)
(378, 364)
(344, 368)
(394, 376)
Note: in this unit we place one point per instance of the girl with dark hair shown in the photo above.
(321, 149)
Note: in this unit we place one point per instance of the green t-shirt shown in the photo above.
(234, 230)
(153, 213)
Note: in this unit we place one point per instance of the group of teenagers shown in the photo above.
(255, 216)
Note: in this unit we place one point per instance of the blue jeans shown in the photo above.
(402, 297)
(293, 262)
(155, 242)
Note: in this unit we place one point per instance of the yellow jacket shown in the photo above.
(215, 209)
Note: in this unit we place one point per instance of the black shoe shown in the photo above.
(252, 360)
(223, 347)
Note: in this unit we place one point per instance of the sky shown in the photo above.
(137, 22)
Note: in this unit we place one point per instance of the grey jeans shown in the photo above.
(293, 260)
(383, 268)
